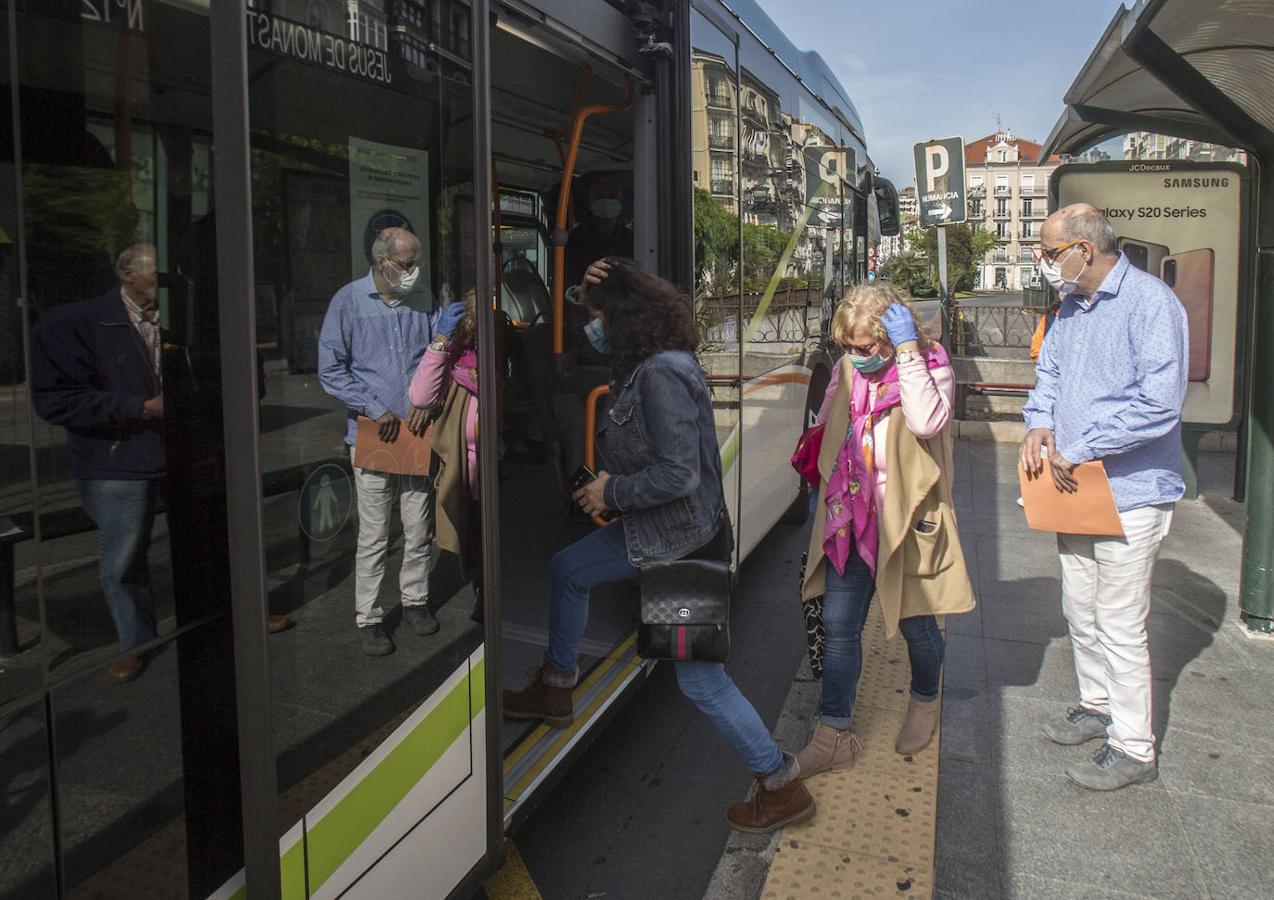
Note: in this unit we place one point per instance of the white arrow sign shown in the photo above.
(942, 212)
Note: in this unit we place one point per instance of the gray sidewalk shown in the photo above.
(1009, 822)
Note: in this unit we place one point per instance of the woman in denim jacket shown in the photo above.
(663, 478)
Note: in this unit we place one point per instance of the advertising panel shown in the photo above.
(1182, 222)
(388, 186)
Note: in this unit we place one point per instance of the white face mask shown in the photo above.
(407, 278)
(1052, 273)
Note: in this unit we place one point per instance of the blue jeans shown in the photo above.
(846, 600)
(124, 512)
(602, 557)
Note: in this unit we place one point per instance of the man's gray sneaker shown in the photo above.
(374, 640)
(1110, 769)
(1080, 725)
(420, 620)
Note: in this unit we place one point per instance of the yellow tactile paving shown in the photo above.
(874, 832)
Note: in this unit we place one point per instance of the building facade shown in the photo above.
(909, 216)
(1146, 145)
(1007, 185)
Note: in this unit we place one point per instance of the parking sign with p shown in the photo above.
(940, 181)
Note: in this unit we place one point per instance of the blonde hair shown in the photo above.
(862, 308)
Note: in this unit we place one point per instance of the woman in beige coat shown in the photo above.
(885, 523)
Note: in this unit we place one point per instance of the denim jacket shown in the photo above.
(659, 443)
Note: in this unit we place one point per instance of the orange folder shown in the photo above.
(407, 455)
(1090, 510)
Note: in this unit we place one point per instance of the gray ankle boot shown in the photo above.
(917, 729)
(828, 750)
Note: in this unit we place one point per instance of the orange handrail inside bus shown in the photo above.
(590, 432)
(564, 202)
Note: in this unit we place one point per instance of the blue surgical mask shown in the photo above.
(868, 364)
(595, 331)
(606, 208)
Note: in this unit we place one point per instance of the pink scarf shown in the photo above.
(464, 371)
(852, 518)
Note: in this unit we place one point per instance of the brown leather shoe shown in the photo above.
(125, 670)
(769, 811)
(541, 700)
(275, 624)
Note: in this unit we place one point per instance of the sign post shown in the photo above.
(940, 188)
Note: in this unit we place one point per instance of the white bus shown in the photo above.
(237, 763)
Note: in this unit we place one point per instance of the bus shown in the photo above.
(259, 148)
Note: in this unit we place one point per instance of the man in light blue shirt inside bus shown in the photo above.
(375, 332)
(1110, 384)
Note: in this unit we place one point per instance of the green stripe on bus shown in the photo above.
(335, 837)
(383, 788)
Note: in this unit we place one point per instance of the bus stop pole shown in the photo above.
(1256, 594)
(946, 305)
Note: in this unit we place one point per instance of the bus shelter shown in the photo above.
(1204, 72)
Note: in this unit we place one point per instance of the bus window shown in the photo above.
(363, 219)
(723, 148)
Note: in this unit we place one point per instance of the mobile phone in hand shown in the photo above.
(583, 475)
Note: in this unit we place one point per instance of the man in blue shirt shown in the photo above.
(373, 336)
(1110, 383)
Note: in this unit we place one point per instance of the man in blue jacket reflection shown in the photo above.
(95, 371)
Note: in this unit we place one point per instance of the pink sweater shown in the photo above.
(927, 396)
(429, 386)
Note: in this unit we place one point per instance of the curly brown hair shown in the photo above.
(643, 315)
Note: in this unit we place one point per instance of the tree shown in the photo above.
(966, 248)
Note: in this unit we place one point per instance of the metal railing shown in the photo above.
(1034, 213)
(721, 141)
(723, 185)
(1033, 192)
(1028, 235)
(1003, 214)
(975, 329)
(1003, 191)
(720, 99)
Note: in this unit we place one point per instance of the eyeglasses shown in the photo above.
(405, 268)
(1051, 255)
(860, 351)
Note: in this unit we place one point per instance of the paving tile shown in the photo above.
(967, 860)
(967, 725)
(1232, 764)
(965, 661)
(1034, 615)
(1022, 668)
(1231, 841)
(1030, 887)
(1129, 839)
(1018, 743)
(804, 870)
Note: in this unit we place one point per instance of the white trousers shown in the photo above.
(377, 492)
(1106, 598)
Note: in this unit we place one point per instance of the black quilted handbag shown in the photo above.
(685, 610)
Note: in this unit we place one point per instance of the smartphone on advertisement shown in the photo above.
(1144, 255)
(1190, 277)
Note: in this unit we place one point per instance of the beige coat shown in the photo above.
(919, 571)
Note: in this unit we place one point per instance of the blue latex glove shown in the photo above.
(450, 318)
(899, 324)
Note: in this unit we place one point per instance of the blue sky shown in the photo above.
(918, 69)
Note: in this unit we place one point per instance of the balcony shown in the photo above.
(720, 100)
(1003, 215)
(1004, 236)
(1033, 213)
(977, 190)
(756, 158)
(721, 141)
(1031, 236)
(723, 186)
(1033, 192)
(1003, 190)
